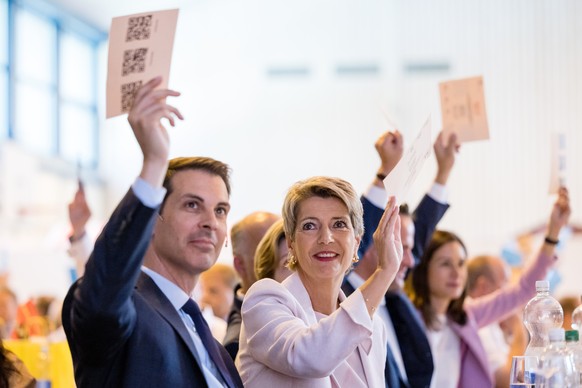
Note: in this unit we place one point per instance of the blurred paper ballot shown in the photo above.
(400, 179)
(140, 48)
(463, 109)
(558, 162)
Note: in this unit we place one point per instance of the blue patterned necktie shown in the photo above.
(192, 309)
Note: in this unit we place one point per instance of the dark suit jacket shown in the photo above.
(410, 330)
(426, 216)
(231, 338)
(121, 328)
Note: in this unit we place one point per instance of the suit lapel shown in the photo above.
(295, 286)
(414, 346)
(156, 298)
(472, 341)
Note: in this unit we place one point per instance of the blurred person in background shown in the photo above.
(13, 372)
(271, 259)
(216, 296)
(245, 235)
(8, 312)
(569, 304)
(81, 244)
(439, 292)
(409, 361)
(503, 339)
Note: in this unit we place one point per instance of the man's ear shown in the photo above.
(239, 266)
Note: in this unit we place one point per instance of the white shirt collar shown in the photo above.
(175, 294)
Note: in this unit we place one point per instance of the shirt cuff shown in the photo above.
(377, 196)
(148, 195)
(439, 193)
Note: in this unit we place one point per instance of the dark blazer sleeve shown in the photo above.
(372, 216)
(99, 314)
(231, 338)
(426, 216)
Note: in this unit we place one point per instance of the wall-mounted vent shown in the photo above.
(357, 70)
(288, 72)
(427, 67)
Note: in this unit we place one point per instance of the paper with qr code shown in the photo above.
(140, 48)
(401, 178)
(463, 109)
(558, 162)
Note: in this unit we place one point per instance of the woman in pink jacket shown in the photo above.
(304, 331)
(438, 285)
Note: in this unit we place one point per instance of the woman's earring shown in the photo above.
(291, 260)
(355, 260)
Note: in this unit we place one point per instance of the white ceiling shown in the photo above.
(100, 12)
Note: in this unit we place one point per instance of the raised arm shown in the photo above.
(98, 313)
(433, 205)
(388, 245)
(499, 304)
(79, 214)
(390, 147)
(445, 152)
(148, 109)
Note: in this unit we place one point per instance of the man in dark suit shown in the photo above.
(409, 360)
(130, 325)
(245, 236)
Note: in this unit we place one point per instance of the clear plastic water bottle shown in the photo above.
(541, 314)
(573, 344)
(577, 318)
(557, 368)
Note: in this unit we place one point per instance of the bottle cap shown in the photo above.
(556, 334)
(572, 335)
(542, 285)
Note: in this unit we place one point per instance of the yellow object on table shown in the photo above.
(56, 363)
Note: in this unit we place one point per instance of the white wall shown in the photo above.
(276, 130)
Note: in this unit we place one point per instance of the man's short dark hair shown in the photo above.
(403, 210)
(209, 165)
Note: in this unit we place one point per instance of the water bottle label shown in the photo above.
(43, 384)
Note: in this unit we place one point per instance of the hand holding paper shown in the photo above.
(140, 48)
(148, 109)
(558, 162)
(401, 178)
(390, 147)
(445, 155)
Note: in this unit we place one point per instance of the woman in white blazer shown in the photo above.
(304, 332)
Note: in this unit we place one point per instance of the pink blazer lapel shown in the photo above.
(470, 342)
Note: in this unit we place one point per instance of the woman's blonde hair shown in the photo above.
(266, 257)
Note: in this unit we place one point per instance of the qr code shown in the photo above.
(134, 61)
(139, 28)
(128, 91)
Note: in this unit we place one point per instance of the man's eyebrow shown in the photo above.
(224, 204)
(192, 196)
(201, 200)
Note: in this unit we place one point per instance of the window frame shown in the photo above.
(64, 24)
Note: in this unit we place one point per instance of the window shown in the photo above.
(77, 137)
(3, 69)
(34, 69)
(53, 77)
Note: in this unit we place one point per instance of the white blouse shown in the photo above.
(445, 346)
